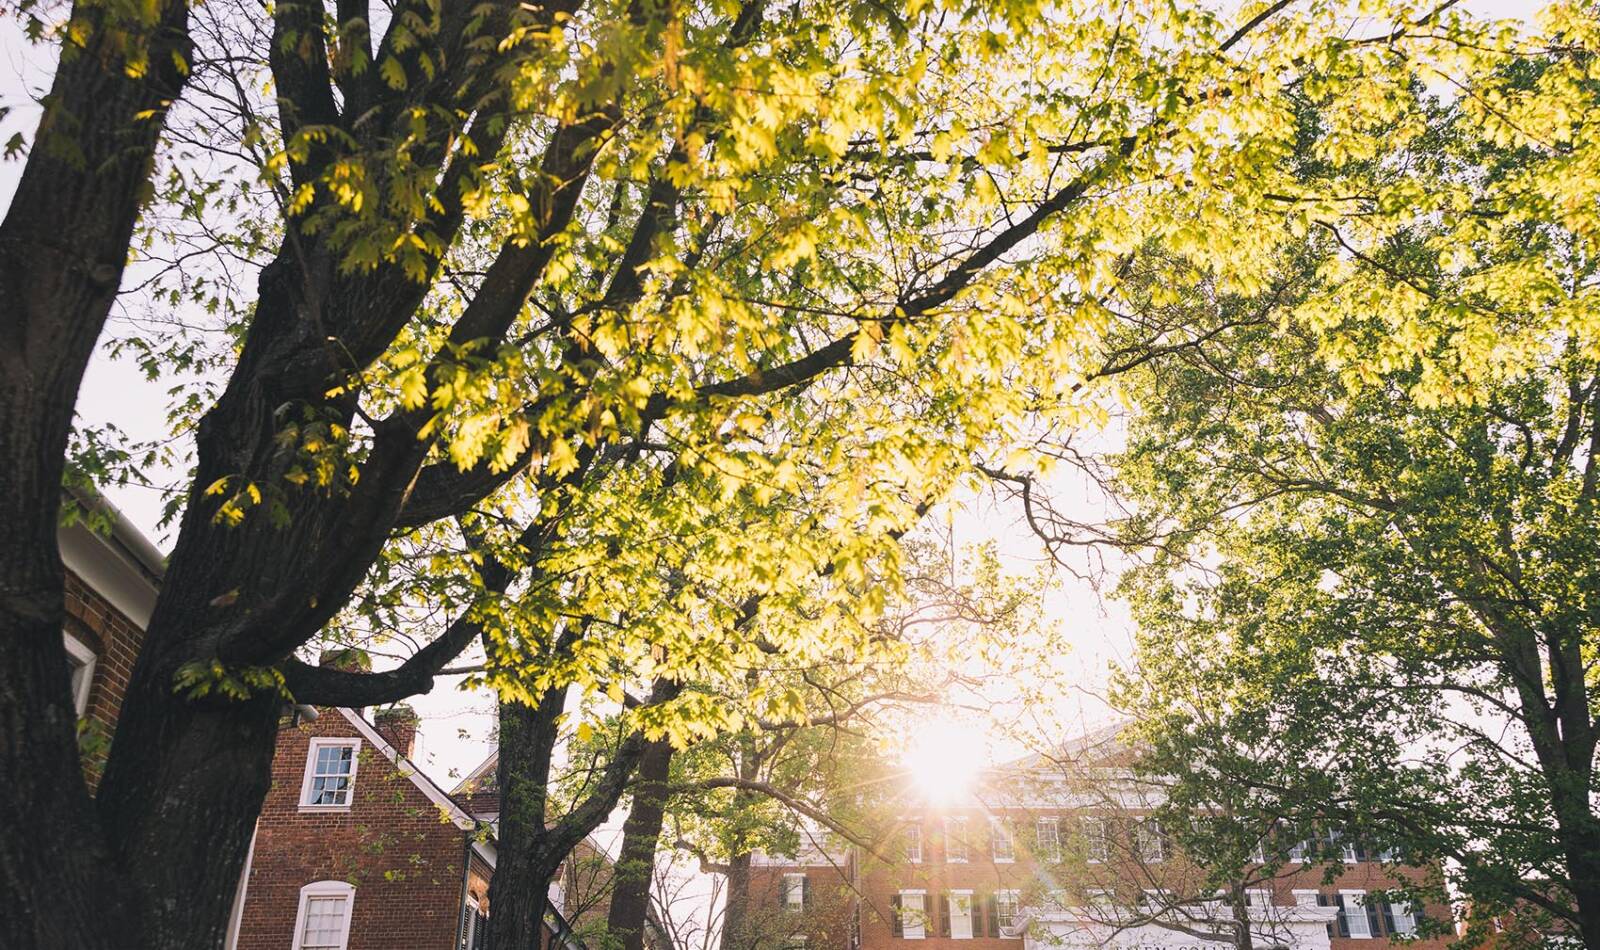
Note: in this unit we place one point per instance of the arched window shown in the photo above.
(323, 922)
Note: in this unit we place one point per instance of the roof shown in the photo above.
(447, 805)
(1095, 745)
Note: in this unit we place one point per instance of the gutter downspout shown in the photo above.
(466, 879)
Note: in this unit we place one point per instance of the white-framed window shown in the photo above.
(794, 892)
(913, 839)
(1297, 853)
(914, 914)
(1402, 921)
(1048, 831)
(1346, 845)
(1257, 897)
(1151, 840)
(81, 660)
(1353, 904)
(1305, 897)
(955, 839)
(323, 921)
(330, 774)
(1097, 839)
(960, 914)
(1007, 908)
(1001, 841)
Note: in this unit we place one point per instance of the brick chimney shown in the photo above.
(398, 724)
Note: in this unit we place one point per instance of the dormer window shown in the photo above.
(330, 774)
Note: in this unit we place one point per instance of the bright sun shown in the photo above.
(944, 757)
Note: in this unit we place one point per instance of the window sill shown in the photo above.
(324, 809)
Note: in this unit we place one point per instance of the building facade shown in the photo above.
(1027, 861)
(355, 848)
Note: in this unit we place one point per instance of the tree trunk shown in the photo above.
(519, 891)
(641, 834)
(736, 905)
(63, 246)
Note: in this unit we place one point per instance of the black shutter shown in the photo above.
(1372, 916)
(805, 891)
(1343, 919)
(977, 914)
(993, 903)
(944, 914)
(1388, 918)
(480, 931)
(466, 926)
(895, 913)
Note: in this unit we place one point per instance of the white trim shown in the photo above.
(329, 742)
(436, 795)
(110, 569)
(1097, 841)
(950, 898)
(342, 889)
(1040, 822)
(1015, 898)
(794, 891)
(959, 821)
(78, 650)
(1000, 828)
(915, 825)
(923, 914)
(236, 918)
(1355, 906)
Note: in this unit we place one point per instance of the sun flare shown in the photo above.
(943, 758)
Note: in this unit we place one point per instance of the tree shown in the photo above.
(1368, 609)
(506, 241)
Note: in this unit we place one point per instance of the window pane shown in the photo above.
(331, 770)
(961, 916)
(1000, 833)
(324, 926)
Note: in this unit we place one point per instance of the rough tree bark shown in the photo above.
(531, 848)
(641, 834)
(63, 247)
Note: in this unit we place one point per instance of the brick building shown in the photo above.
(1028, 861)
(112, 575)
(355, 848)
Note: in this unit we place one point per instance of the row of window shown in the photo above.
(1145, 838)
(1148, 840)
(961, 914)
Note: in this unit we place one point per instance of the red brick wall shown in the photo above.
(983, 875)
(115, 641)
(827, 920)
(405, 861)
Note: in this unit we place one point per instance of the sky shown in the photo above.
(455, 730)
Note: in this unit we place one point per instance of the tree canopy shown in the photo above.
(630, 338)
